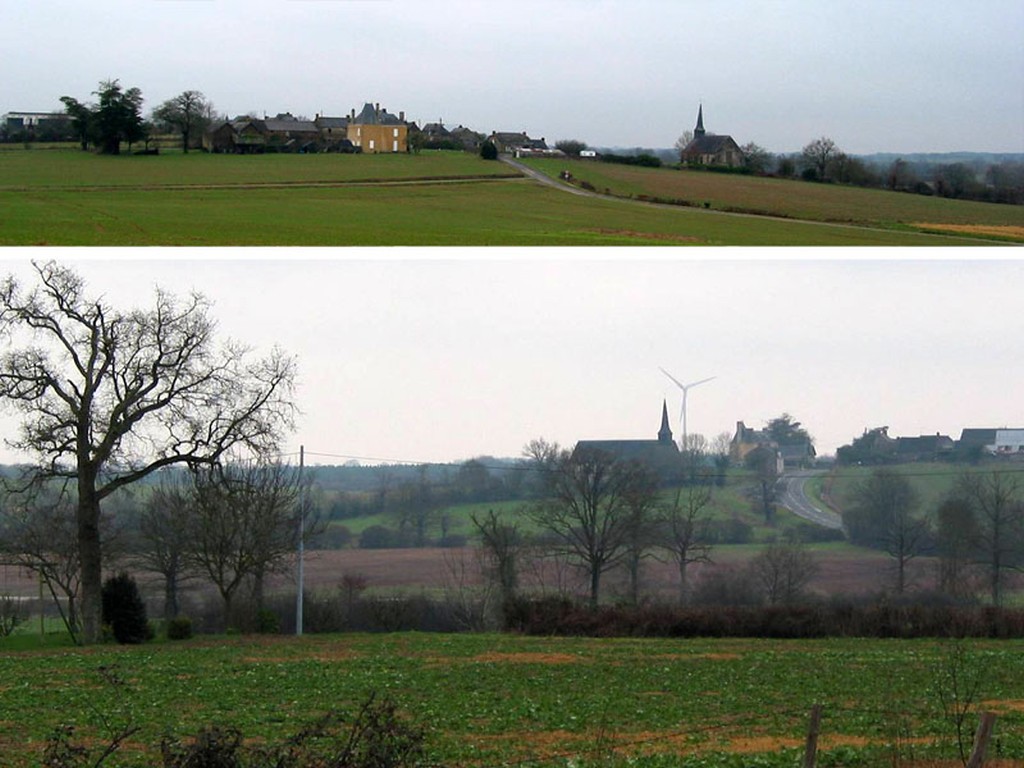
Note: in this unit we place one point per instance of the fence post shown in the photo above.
(811, 750)
(981, 739)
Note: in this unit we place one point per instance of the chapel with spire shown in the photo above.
(710, 149)
(661, 455)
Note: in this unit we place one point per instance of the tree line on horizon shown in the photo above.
(116, 117)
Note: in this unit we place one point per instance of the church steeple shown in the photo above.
(665, 433)
(699, 130)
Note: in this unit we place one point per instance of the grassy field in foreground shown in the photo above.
(793, 199)
(70, 198)
(490, 700)
(503, 213)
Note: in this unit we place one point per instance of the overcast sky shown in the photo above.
(410, 356)
(874, 75)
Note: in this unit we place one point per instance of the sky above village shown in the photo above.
(874, 75)
(434, 356)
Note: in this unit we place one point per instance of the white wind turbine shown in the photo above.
(686, 388)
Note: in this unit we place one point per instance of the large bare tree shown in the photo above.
(884, 515)
(188, 113)
(589, 508)
(997, 500)
(244, 525)
(684, 521)
(163, 537)
(109, 396)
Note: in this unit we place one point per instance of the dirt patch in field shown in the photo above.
(646, 235)
(1005, 705)
(1010, 231)
(527, 658)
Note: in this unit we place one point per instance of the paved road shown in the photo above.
(793, 496)
(543, 179)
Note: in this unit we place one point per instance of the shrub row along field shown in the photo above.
(488, 700)
(795, 199)
(65, 197)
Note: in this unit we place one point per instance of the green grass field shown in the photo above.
(491, 700)
(70, 198)
(796, 199)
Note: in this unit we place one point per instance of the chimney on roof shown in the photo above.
(401, 115)
(376, 109)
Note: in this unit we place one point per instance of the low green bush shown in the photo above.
(179, 628)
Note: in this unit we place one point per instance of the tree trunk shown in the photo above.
(634, 579)
(682, 581)
(90, 557)
(171, 607)
(595, 586)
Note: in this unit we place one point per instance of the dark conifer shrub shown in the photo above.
(124, 611)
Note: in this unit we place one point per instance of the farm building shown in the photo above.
(661, 455)
(999, 442)
(711, 149)
(283, 133)
(244, 135)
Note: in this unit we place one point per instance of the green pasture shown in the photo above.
(931, 481)
(69, 198)
(785, 197)
(74, 169)
(727, 502)
(491, 700)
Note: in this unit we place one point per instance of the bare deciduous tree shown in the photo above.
(784, 570)
(163, 539)
(686, 536)
(244, 525)
(819, 155)
(996, 500)
(502, 544)
(586, 511)
(884, 515)
(39, 533)
(189, 113)
(109, 396)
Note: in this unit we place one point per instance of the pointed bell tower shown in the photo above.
(699, 130)
(665, 433)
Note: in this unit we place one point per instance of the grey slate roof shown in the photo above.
(370, 116)
(709, 145)
(335, 123)
(295, 126)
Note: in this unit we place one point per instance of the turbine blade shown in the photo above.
(677, 382)
(702, 381)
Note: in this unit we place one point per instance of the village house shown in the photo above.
(518, 144)
(791, 455)
(708, 149)
(924, 448)
(375, 130)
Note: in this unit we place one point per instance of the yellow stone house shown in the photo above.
(375, 130)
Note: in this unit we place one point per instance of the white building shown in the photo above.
(1008, 441)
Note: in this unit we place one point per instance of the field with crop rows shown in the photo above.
(491, 700)
(70, 198)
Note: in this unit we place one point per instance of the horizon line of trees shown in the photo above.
(117, 118)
